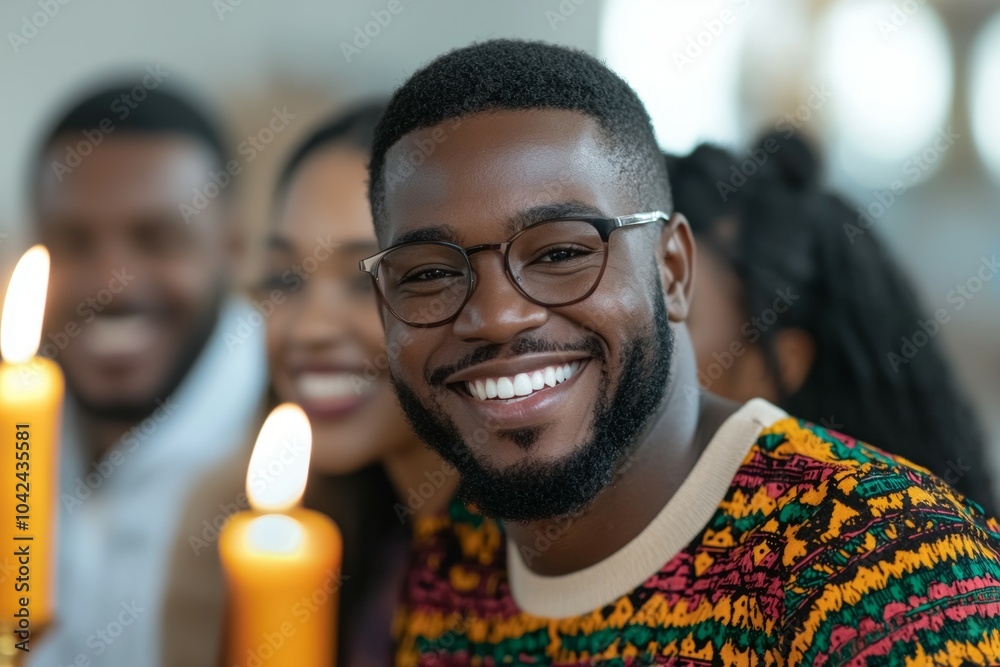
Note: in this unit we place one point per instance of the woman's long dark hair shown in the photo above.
(361, 503)
(777, 229)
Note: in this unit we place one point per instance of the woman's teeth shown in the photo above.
(522, 384)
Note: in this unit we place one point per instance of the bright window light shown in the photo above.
(682, 58)
(984, 94)
(889, 66)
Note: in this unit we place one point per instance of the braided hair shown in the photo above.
(779, 229)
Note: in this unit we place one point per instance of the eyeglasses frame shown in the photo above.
(604, 227)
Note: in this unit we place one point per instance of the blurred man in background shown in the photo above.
(164, 368)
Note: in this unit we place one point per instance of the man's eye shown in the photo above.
(555, 255)
(425, 275)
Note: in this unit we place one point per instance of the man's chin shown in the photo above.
(531, 490)
(118, 408)
(125, 399)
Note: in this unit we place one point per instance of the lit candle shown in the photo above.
(282, 562)
(31, 395)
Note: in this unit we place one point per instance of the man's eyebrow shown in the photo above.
(536, 214)
(438, 233)
(356, 246)
(515, 223)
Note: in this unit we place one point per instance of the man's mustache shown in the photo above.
(522, 345)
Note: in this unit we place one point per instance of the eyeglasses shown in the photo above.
(552, 263)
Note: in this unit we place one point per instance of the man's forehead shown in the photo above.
(497, 165)
(128, 170)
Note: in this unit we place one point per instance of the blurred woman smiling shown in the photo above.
(326, 350)
(327, 353)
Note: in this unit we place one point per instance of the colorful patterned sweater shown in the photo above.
(822, 551)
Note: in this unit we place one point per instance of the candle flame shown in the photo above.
(24, 306)
(279, 464)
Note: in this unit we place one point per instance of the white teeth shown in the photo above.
(120, 334)
(326, 386)
(522, 384)
(537, 380)
(505, 388)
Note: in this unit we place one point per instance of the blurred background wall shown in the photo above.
(902, 97)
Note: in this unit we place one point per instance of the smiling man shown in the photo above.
(535, 283)
(141, 318)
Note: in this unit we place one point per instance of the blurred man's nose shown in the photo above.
(112, 267)
(323, 315)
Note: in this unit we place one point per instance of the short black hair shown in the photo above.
(506, 74)
(354, 128)
(159, 111)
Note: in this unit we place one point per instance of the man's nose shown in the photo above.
(496, 312)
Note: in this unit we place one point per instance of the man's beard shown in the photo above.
(531, 491)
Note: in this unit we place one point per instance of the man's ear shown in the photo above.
(675, 260)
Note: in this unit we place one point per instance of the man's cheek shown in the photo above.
(402, 363)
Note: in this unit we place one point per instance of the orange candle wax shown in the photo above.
(282, 562)
(31, 395)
